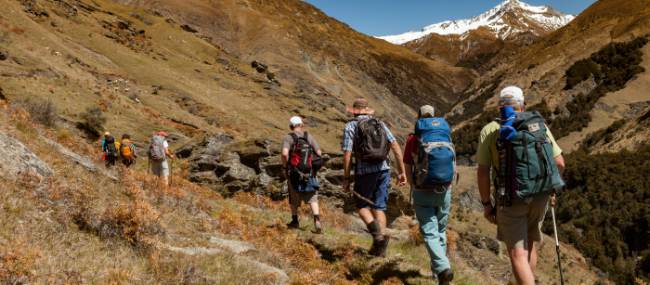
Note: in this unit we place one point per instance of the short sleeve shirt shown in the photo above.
(487, 154)
(347, 145)
(409, 149)
(288, 141)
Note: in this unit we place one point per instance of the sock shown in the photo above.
(316, 218)
(294, 218)
(373, 228)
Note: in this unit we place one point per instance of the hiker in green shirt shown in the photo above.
(518, 220)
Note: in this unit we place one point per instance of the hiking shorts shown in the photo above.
(522, 222)
(297, 198)
(128, 162)
(374, 187)
(160, 168)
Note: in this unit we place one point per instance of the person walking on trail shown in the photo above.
(370, 141)
(159, 155)
(300, 156)
(431, 167)
(526, 164)
(109, 149)
(127, 151)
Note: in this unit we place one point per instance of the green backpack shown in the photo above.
(530, 166)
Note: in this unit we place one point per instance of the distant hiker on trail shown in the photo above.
(109, 149)
(370, 141)
(430, 161)
(525, 161)
(158, 157)
(127, 151)
(301, 160)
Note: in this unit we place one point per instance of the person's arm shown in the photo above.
(397, 153)
(347, 166)
(483, 175)
(559, 160)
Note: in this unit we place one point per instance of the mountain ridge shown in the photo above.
(538, 19)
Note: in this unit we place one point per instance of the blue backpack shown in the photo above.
(435, 161)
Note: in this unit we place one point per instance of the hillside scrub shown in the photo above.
(604, 211)
(611, 67)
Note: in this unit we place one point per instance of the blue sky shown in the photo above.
(386, 17)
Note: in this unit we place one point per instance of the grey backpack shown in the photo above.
(157, 148)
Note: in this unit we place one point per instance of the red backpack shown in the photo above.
(301, 155)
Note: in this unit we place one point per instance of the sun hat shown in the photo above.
(360, 107)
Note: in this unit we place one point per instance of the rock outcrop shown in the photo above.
(17, 161)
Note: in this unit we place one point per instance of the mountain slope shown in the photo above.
(473, 42)
(504, 21)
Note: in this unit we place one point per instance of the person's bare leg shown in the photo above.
(314, 208)
(380, 217)
(532, 256)
(520, 266)
(366, 215)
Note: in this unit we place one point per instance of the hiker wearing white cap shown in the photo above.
(109, 149)
(518, 141)
(430, 162)
(301, 160)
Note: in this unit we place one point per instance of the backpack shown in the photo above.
(371, 141)
(157, 148)
(301, 156)
(125, 150)
(111, 149)
(530, 167)
(435, 160)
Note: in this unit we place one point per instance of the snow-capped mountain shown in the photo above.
(505, 20)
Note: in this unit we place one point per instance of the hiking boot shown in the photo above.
(379, 247)
(293, 225)
(445, 277)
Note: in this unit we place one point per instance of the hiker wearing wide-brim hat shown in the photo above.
(370, 141)
(521, 197)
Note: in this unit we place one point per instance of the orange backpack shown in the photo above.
(125, 149)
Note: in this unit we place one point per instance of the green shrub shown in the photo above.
(41, 111)
(605, 211)
(93, 121)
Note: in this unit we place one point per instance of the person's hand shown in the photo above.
(346, 184)
(553, 200)
(401, 179)
(488, 213)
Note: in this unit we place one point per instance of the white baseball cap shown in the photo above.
(511, 94)
(427, 110)
(294, 121)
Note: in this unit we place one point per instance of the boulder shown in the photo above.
(252, 151)
(17, 161)
(482, 242)
(3, 55)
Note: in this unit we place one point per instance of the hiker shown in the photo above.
(300, 154)
(158, 157)
(526, 162)
(370, 141)
(109, 149)
(430, 161)
(127, 151)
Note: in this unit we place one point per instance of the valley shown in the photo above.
(223, 78)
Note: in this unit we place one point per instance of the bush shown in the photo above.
(41, 111)
(93, 121)
(605, 211)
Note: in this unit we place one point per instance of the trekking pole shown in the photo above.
(557, 246)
